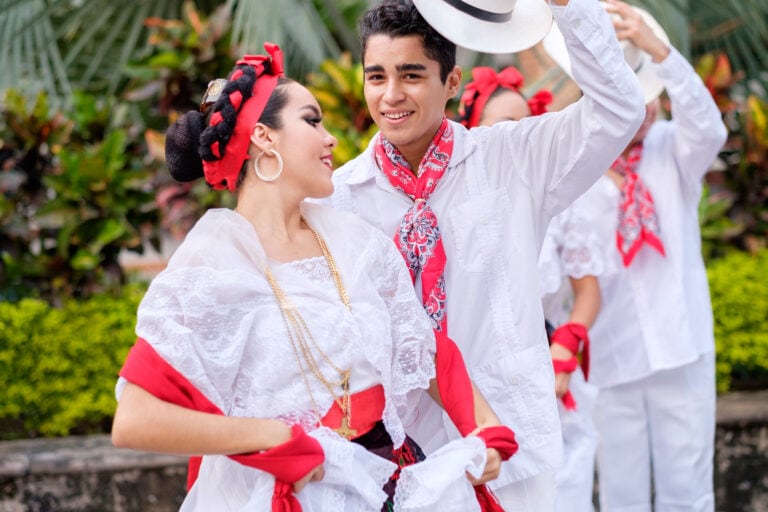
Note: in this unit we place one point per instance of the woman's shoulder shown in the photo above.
(334, 219)
(218, 236)
(348, 234)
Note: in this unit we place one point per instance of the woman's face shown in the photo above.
(305, 145)
(507, 105)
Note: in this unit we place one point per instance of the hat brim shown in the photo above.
(529, 23)
(650, 83)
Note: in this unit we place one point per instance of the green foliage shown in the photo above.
(75, 192)
(182, 57)
(734, 209)
(739, 293)
(338, 87)
(58, 366)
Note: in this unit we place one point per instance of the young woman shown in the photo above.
(284, 342)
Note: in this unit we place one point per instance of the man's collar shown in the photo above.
(463, 146)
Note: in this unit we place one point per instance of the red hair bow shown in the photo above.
(223, 173)
(275, 59)
(485, 80)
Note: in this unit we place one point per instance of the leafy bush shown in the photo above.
(735, 211)
(58, 365)
(739, 292)
(74, 192)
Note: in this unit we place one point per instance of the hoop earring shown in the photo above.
(272, 152)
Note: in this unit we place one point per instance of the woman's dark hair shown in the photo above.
(188, 141)
(400, 18)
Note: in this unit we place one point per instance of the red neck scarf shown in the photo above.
(484, 82)
(638, 222)
(418, 237)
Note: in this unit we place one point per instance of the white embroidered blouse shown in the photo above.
(212, 315)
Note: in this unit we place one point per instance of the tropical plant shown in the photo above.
(338, 87)
(62, 45)
(734, 210)
(76, 192)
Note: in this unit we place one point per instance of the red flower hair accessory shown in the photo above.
(485, 81)
(223, 173)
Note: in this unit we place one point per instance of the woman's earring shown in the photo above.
(272, 152)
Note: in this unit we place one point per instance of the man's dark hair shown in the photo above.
(399, 18)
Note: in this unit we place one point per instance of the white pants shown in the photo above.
(662, 425)
(575, 478)
(534, 494)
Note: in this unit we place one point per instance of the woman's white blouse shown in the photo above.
(212, 315)
(571, 248)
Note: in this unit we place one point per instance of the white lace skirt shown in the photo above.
(353, 481)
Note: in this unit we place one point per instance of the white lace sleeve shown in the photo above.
(581, 251)
(413, 341)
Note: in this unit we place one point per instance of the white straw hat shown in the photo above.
(638, 60)
(489, 26)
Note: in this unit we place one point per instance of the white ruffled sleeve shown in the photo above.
(582, 252)
(573, 248)
(413, 341)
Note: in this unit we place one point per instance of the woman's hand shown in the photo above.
(492, 464)
(313, 476)
(562, 379)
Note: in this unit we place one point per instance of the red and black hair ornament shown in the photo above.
(485, 81)
(223, 172)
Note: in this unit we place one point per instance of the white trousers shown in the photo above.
(575, 477)
(534, 494)
(660, 427)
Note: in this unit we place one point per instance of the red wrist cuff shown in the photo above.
(500, 438)
(574, 336)
(565, 365)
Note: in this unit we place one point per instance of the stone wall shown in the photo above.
(86, 474)
(741, 452)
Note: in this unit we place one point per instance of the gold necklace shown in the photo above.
(302, 342)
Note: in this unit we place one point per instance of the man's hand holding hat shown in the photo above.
(631, 26)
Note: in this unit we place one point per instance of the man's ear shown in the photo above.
(262, 137)
(453, 81)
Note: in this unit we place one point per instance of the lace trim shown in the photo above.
(314, 268)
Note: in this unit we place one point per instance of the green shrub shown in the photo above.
(58, 365)
(739, 290)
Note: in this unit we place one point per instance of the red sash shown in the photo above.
(288, 462)
(455, 389)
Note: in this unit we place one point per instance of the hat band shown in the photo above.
(481, 14)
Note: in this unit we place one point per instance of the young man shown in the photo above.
(471, 222)
(653, 350)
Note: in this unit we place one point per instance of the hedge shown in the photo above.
(58, 366)
(739, 289)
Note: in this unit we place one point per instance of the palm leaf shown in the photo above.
(295, 25)
(29, 56)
